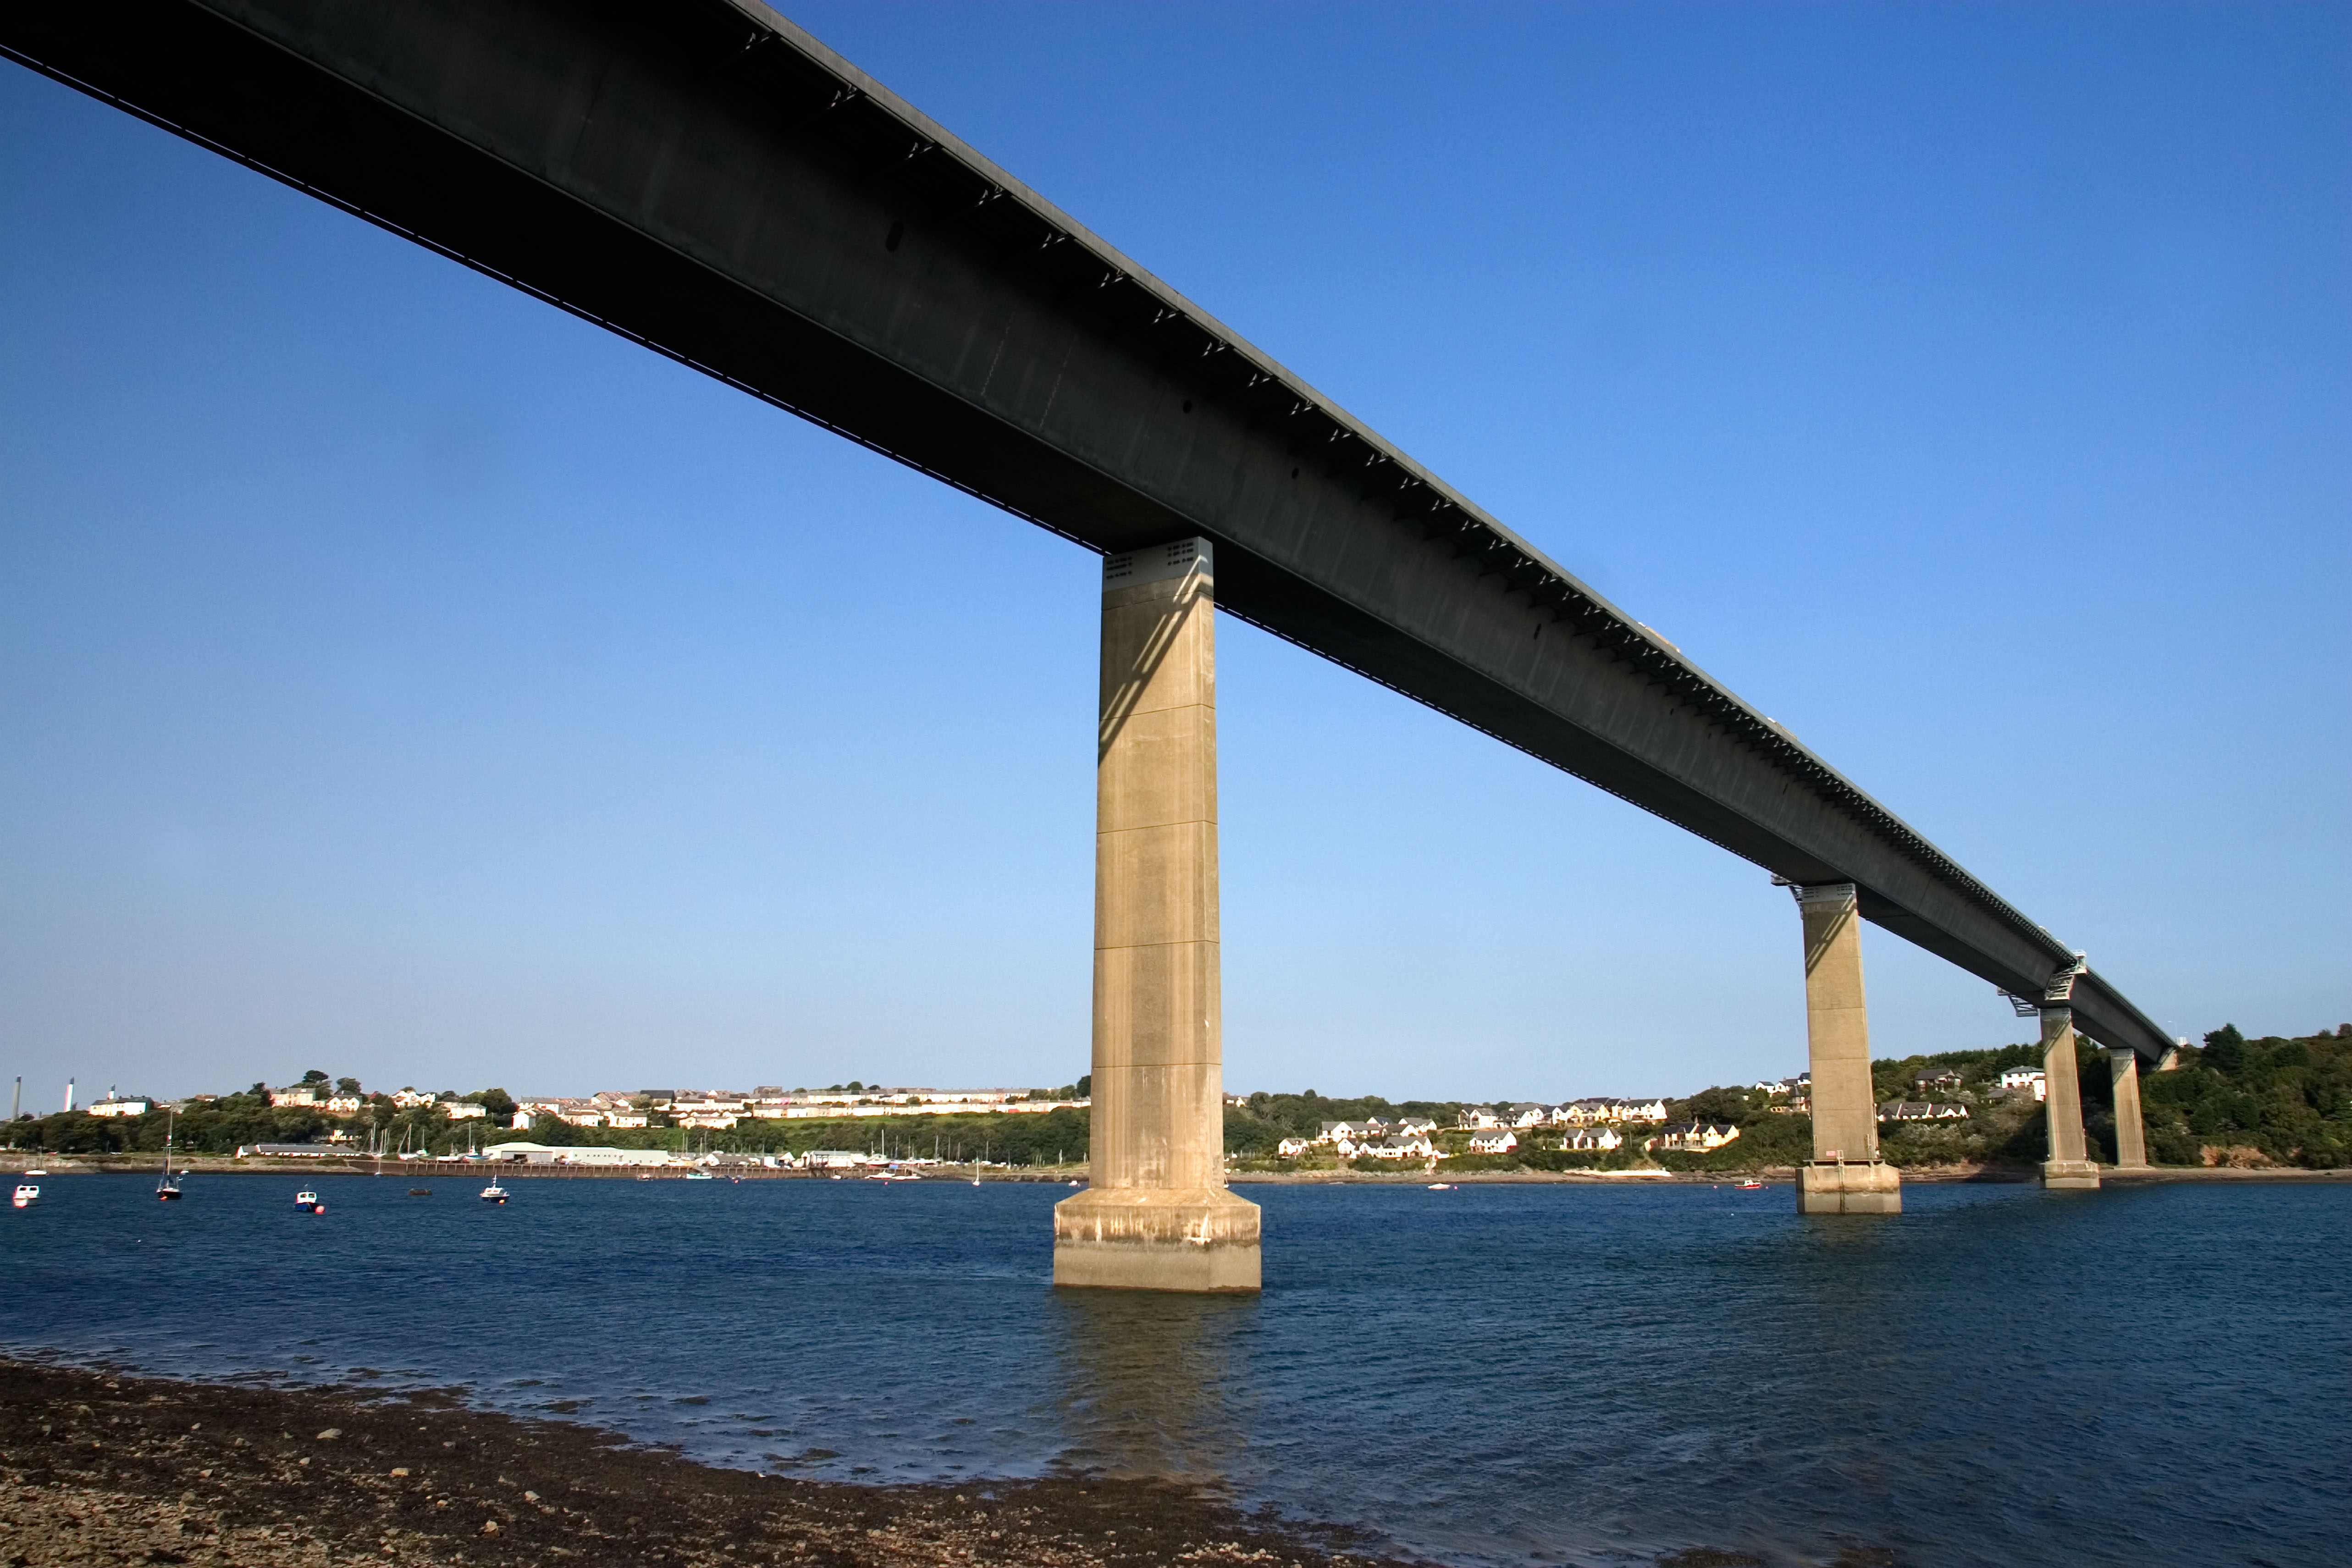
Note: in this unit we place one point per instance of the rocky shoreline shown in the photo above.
(100, 1468)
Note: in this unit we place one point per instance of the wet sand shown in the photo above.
(104, 1468)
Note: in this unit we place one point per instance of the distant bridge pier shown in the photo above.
(2131, 1129)
(1846, 1176)
(2069, 1164)
(1156, 1214)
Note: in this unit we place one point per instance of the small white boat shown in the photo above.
(494, 1193)
(1444, 1187)
(700, 1176)
(306, 1202)
(25, 1193)
(1751, 1185)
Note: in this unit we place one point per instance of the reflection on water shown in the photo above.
(1149, 1382)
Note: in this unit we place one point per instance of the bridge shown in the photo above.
(706, 179)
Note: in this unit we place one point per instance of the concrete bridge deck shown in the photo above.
(705, 178)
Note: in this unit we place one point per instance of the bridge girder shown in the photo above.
(709, 181)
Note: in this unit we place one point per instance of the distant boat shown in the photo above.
(168, 1187)
(420, 1192)
(1434, 1186)
(1751, 1185)
(26, 1192)
(700, 1176)
(494, 1193)
(306, 1202)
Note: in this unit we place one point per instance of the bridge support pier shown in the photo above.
(1846, 1176)
(2069, 1164)
(2131, 1129)
(1156, 1214)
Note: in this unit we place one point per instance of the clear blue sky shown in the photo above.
(399, 678)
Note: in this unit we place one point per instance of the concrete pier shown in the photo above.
(2131, 1129)
(2069, 1164)
(1846, 1176)
(1157, 1215)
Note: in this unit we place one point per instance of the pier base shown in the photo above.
(1132, 1239)
(1836, 1187)
(2070, 1173)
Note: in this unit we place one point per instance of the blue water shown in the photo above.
(1560, 1373)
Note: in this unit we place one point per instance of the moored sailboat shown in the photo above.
(167, 1186)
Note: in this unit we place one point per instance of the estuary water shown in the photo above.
(2143, 1376)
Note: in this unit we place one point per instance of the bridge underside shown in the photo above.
(705, 179)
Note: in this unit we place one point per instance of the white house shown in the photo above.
(1594, 1138)
(1693, 1137)
(1396, 1147)
(113, 1107)
(1291, 1148)
(1642, 1111)
(1416, 1127)
(2016, 1079)
(1528, 1113)
(410, 1099)
(1493, 1141)
(625, 1119)
(462, 1110)
(295, 1094)
(342, 1105)
(1478, 1116)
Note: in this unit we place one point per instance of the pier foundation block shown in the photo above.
(1834, 1187)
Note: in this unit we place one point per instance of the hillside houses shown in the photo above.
(1691, 1137)
(1594, 1112)
(1921, 1111)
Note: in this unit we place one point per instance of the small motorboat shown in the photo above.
(1751, 1185)
(700, 1176)
(494, 1193)
(420, 1192)
(306, 1202)
(26, 1192)
(1442, 1187)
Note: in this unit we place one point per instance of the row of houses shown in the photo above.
(1411, 1138)
(1921, 1111)
(1597, 1110)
